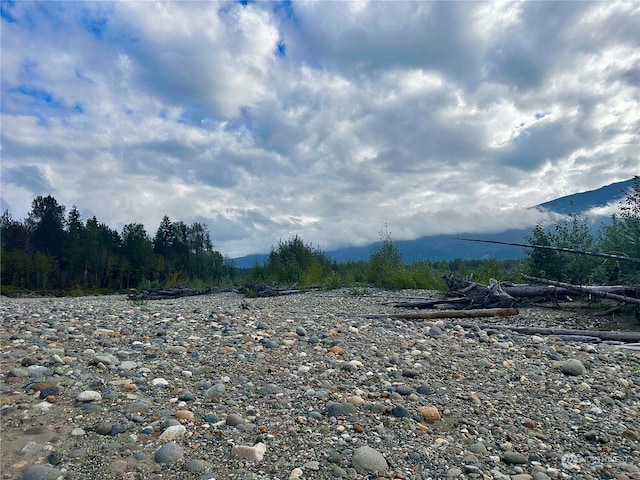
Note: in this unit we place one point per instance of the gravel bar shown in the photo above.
(307, 387)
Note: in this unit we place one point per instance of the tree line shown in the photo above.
(296, 262)
(53, 249)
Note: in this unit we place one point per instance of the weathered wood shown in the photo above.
(613, 335)
(168, 293)
(484, 312)
(431, 303)
(480, 296)
(556, 249)
(265, 291)
(598, 291)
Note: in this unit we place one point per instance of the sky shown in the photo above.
(331, 120)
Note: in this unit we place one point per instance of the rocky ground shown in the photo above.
(306, 386)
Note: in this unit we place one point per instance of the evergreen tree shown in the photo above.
(46, 222)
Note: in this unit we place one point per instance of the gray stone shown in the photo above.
(479, 448)
(400, 411)
(233, 419)
(195, 465)
(104, 428)
(573, 367)
(435, 331)
(335, 409)
(454, 472)
(42, 472)
(127, 365)
(215, 391)
(514, 458)
(367, 459)
(541, 476)
(404, 389)
(186, 396)
(168, 453)
(338, 472)
(107, 359)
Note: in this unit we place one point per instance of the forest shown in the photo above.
(55, 252)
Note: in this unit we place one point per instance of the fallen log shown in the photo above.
(598, 291)
(431, 303)
(265, 291)
(168, 293)
(612, 335)
(484, 312)
(480, 296)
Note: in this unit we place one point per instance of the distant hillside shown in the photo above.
(443, 247)
(581, 202)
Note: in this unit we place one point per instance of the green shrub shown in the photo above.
(332, 281)
(385, 264)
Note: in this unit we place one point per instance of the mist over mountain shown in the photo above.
(445, 248)
(584, 201)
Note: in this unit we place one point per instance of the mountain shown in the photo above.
(444, 247)
(581, 202)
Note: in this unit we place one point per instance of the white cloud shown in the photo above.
(325, 119)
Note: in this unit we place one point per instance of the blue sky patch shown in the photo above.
(96, 26)
(39, 96)
(5, 13)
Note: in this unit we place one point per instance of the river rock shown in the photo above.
(367, 459)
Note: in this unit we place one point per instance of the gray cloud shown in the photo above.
(27, 176)
(323, 119)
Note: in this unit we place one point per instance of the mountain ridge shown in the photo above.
(442, 247)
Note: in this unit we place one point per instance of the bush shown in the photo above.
(385, 264)
(573, 233)
(293, 262)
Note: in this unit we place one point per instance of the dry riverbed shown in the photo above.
(307, 386)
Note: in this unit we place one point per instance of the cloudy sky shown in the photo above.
(322, 119)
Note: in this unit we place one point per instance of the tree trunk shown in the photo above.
(484, 312)
(598, 291)
(601, 334)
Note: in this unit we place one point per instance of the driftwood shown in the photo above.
(469, 294)
(168, 293)
(265, 291)
(617, 336)
(603, 291)
(556, 249)
(485, 312)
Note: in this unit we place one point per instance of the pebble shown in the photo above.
(254, 453)
(89, 396)
(513, 457)
(172, 433)
(573, 367)
(335, 409)
(307, 386)
(296, 473)
(368, 459)
(234, 419)
(42, 472)
(160, 382)
(169, 453)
